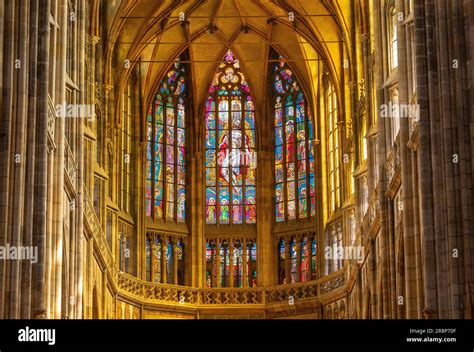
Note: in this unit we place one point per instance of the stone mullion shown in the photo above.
(288, 259)
(164, 273)
(298, 258)
(218, 263)
(197, 240)
(152, 258)
(264, 238)
(175, 260)
(140, 205)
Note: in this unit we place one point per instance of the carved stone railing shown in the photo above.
(229, 296)
(332, 282)
(298, 292)
(414, 117)
(185, 296)
(392, 165)
(51, 121)
(99, 237)
(70, 165)
(371, 217)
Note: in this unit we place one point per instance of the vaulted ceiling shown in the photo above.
(150, 34)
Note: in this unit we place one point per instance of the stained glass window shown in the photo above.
(304, 260)
(224, 263)
(180, 261)
(211, 267)
(165, 192)
(281, 262)
(252, 264)
(314, 260)
(293, 261)
(169, 263)
(230, 148)
(295, 188)
(237, 263)
(157, 261)
(148, 259)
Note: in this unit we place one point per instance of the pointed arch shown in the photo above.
(165, 188)
(295, 185)
(230, 163)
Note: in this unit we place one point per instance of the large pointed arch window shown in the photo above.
(165, 193)
(295, 188)
(230, 148)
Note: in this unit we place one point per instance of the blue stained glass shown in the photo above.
(211, 139)
(211, 196)
(312, 187)
(237, 195)
(158, 172)
(292, 146)
(310, 128)
(250, 195)
(181, 115)
(278, 136)
(210, 120)
(310, 150)
(279, 85)
(279, 154)
(224, 196)
(279, 192)
(282, 250)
